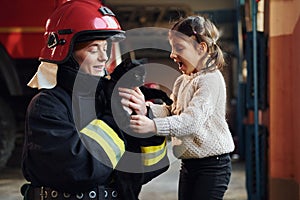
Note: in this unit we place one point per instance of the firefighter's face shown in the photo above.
(92, 57)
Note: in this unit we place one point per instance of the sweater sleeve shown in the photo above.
(192, 120)
(165, 110)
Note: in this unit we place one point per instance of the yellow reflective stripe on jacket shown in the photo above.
(114, 136)
(107, 138)
(153, 154)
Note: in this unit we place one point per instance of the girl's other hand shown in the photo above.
(142, 124)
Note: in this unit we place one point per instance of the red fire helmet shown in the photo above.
(78, 21)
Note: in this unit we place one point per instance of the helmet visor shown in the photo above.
(114, 36)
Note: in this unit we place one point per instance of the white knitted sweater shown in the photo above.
(197, 116)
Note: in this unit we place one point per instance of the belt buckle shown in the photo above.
(43, 193)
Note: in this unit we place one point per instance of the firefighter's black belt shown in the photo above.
(46, 193)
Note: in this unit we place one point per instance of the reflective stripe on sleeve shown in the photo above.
(107, 138)
(153, 154)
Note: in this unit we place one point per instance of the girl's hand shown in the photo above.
(133, 99)
(142, 124)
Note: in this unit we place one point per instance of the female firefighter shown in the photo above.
(70, 151)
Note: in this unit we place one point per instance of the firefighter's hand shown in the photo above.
(133, 99)
(142, 124)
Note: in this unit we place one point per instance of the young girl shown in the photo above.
(196, 120)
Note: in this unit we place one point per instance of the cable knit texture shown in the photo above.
(197, 117)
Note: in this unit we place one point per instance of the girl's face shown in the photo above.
(91, 57)
(187, 53)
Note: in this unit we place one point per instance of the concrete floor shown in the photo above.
(163, 187)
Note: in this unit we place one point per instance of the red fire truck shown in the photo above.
(21, 38)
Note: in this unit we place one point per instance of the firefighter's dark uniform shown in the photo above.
(64, 153)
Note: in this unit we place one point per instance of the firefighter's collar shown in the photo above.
(45, 77)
